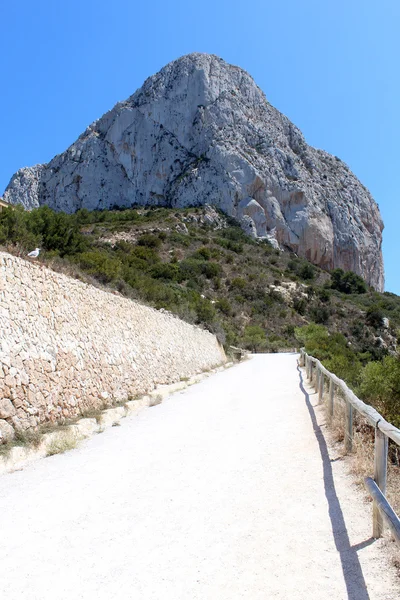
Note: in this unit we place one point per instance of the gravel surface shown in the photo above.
(223, 491)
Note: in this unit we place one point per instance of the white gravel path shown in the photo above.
(224, 491)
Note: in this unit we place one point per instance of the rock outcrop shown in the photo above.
(201, 132)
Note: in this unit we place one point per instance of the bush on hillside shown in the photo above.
(301, 269)
(54, 232)
(374, 316)
(100, 265)
(380, 386)
(149, 240)
(254, 338)
(347, 282)
(332, 350)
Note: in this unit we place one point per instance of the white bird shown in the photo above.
(34, 253)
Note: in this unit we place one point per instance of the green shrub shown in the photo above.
(205, 311)
(149, 240)
(43, 227)
(319, 314)
(323, 294)
(347, 282)
(179, 239)
(202, 254)
(230, 245)
(306, 272)
(380, 386)
(300, 305)
(254, 338)
(238, 283)
(302, 269)
(332, 350)
(99, 264)
(211, 270)
(224, 306)
(166, 271)
(374, 316)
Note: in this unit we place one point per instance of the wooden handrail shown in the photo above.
(383, 430)
(387, 512)
(372, 416)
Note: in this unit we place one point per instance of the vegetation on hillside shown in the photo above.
(208, 272)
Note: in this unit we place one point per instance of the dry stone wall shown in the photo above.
(66, 347)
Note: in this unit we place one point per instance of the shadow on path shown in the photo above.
(352, 572)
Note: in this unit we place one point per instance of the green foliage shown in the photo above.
(178, 272)
(374, 316)
(179, 239)
(300, 305)
(333, 350)
(319, 314)
(205, 311)
(323, 295)
(380, 386)
(192, 268)
(302, 269)
(202, 254)
(347, 282)
(235, 234)
(238, 283)
(55, 232)
(149, 240)
(224, 306)
(14, 229)
(166, 271)
(254, 338)
(307, 272)
(233, 239)
(102, 266)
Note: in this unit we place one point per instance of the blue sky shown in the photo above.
(332, 67)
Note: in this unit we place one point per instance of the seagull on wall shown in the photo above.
(34, 253)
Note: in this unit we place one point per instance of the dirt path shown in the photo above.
(224, 491)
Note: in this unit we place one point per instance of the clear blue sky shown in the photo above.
(332, 67)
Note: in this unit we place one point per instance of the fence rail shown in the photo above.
(376, 487)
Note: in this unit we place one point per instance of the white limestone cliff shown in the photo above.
(201, 132)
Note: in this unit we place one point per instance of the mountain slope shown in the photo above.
(200, 131)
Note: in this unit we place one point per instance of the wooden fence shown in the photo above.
(382, 511)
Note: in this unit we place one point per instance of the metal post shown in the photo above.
(380, 477)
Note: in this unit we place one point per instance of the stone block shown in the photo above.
(7, 408)
(111, 416)
(7, 432)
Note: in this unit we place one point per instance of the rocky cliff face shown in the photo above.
(201, 132)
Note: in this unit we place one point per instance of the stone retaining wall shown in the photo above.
(66, 347)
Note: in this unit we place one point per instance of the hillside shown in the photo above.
(202, 132)
(200, 265)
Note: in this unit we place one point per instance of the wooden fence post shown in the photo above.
(380, 476)
(331, 397)
(311, 370)
(316, 379)
(321, 387)
(348, 435)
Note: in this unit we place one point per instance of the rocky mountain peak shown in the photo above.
(201, 131)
